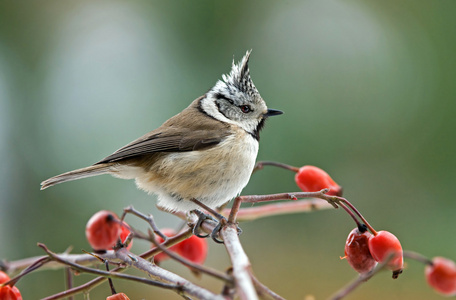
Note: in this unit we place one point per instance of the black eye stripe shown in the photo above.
(221, 96)
(244, 108)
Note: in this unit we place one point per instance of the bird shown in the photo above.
(206, 152)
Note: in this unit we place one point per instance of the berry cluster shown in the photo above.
(105, 231)
(364, 250)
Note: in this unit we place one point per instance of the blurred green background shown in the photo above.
(368, 91)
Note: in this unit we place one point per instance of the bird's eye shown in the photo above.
(246, 108)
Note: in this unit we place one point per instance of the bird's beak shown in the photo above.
(273, 112)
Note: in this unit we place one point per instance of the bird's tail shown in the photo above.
(76, 174)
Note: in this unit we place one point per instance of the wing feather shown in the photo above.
(167, 142)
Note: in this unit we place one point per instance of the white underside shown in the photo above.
(213, 176)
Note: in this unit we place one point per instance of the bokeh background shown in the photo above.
(367, 87)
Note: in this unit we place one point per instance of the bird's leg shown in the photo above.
(222, 221)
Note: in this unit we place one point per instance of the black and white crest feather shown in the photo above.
(239, 76)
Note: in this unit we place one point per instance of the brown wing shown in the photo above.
(171, 141)
(175, 136)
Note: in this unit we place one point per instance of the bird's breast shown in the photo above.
(213, 176)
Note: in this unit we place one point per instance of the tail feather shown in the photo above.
(76, 174)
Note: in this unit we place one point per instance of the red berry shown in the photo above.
(441, 275)
(124, 234)
(194, 249)
(3, 277)
(103, 230)
(119, 296)
(163, 256)
(357, 251)
(383, 245)
(10, 293)
(313, 179)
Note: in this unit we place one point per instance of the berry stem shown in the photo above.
(35, 265)
(353, 208)
(111, 285)
(261, 164)
(348, 211)
(418, 257)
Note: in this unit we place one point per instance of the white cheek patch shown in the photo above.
(209, 106)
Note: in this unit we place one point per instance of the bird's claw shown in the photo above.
(215, 234)
(201, 218)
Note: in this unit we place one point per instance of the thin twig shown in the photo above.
(362, 278)
(264, 289)
(148, 218)
(279, 208)
(335, 201)
(38, 263)
(167, 244)
(167, 279)
(69, 280)
(107, 274)
(234, 211)
(192, 265)
(81, 288)
(173, 255)
(293, 196)
(161, 274)
(282, 196)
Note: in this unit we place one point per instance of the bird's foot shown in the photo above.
(215, 216)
